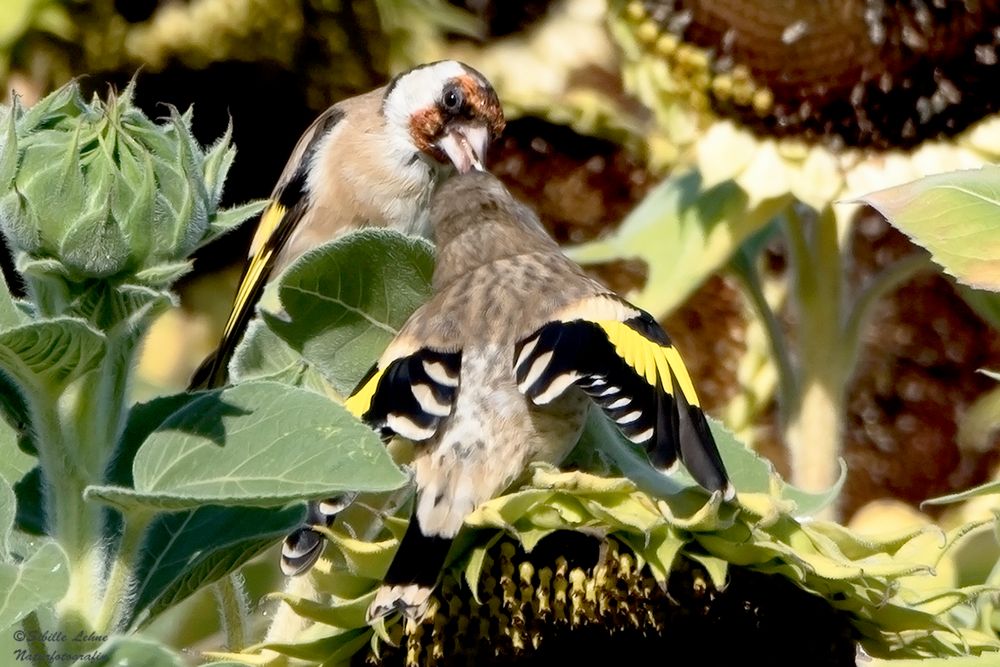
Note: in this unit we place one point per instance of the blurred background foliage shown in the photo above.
(813, 328)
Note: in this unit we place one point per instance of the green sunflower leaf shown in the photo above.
(683, 233)
(46, 356)
(257, 444)
(185, 551)
(987, 489)
(119, 651)
(955, 216)
(41, 580)
(8, 510)
(344, 302)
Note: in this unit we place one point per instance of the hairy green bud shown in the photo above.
(107, 192)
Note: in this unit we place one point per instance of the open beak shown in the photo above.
(465, 146)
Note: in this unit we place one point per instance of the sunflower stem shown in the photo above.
(232, 601)
(116, 594)
(75, 524)
(36, 647)
(814, 430)
(788, 389)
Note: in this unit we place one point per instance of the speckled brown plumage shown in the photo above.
(538, 340)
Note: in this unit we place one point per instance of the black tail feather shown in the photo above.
(662, 447)
(214, 370)
(698, 451)
(419, 559)
(411, 578)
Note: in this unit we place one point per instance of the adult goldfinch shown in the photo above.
(499, 369)
(370, 160)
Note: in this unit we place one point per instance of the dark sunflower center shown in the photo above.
(870, 73)
(577, 601)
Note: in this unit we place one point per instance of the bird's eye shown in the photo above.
(452, 99)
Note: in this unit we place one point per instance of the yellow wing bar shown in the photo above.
(255, 271)
(650, 359)
(360, 401)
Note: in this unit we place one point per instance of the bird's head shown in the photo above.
(447, 111)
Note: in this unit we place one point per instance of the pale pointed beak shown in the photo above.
(465, 146)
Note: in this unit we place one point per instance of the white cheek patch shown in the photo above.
(419, 89)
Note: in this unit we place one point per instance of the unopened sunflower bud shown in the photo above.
(104, 190)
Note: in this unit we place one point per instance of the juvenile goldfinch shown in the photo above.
(370, 160)
(499, 370)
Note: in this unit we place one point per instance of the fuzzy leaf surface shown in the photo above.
(120, 651)
(186, 551)
(8, 510)
(344, 302)
(263, 355)
(257, 444)
(39, 581)
(46, 356)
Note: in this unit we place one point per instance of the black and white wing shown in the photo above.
(621, 357)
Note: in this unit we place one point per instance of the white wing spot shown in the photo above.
(407, 428)
(556, 388)
(526, 351)
(630, 417)
(425, 396)
(640, 438)
(536, 371)
(439, 373)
